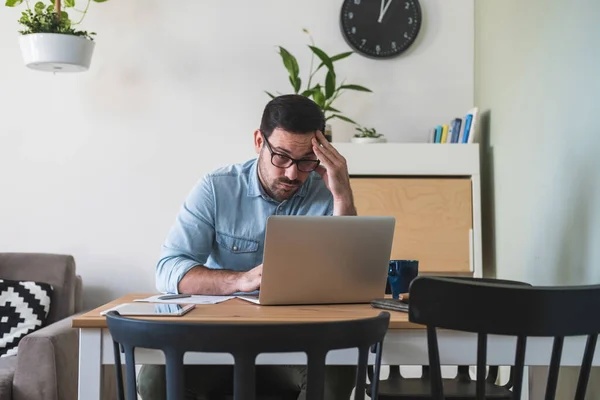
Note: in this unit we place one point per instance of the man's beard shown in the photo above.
(274, 186)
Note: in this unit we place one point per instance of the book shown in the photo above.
(475, 113)
(455, 130)
(464, 135)
(458, 130)
(438, 134)
(444, 133)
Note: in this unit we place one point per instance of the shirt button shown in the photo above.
(235, 248)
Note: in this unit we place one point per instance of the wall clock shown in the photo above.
(380, 28)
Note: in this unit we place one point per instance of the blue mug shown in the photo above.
(400, 275)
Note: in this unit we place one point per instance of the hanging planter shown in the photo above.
(56, 52)
(50, 42)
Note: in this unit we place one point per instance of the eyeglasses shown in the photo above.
(283, 161)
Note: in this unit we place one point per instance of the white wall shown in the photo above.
(97, 164)
(538, 74)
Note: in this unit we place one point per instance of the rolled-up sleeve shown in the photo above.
(190, 239)
(329, 211)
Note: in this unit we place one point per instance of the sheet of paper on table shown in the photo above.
(194, 299)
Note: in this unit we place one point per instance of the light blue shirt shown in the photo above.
(222, 222)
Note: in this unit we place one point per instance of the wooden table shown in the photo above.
(405, 342)
(236, 310)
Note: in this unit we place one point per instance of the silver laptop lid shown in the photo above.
(325, 259)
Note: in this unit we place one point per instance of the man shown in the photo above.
(216, 244)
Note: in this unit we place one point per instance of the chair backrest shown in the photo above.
(245, 341)
(506, 309)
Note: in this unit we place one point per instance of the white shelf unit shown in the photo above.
(423, 159)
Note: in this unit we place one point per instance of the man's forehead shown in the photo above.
(299, 144)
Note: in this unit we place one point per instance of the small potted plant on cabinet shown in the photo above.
(367, 135)
(49, 39)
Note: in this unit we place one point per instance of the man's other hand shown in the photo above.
(333, 168)
(250, 281)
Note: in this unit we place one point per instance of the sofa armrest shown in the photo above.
(78, 294)
(47, 363)
(6, 382)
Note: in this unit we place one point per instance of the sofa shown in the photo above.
(45, 366)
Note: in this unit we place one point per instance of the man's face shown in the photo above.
(282, 183)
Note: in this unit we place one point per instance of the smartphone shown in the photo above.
(174, 296)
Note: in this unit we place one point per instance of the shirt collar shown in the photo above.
(255, 187)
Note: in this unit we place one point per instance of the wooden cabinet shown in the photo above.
(434, 218)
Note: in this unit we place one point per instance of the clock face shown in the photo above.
(380, 28)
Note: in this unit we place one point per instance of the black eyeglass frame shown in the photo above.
(292, 161)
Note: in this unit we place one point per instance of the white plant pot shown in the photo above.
(54, 52)
(367, 140)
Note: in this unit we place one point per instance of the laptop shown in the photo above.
(325, 259)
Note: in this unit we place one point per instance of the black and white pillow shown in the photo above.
(24, 307)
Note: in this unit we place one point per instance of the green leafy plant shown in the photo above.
(50, 18)
(367, 132)
(326, 92)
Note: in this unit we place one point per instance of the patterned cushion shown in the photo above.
(24, 307)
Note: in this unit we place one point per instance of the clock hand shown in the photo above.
(381, 10)
(382, 13)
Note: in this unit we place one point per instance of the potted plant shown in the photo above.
(324, 92)
(49, 39)
(367, 135)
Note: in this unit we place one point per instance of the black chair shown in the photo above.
(502, 309)
(461, 387)
(244, 341)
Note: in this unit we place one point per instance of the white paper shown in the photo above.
(194, 299)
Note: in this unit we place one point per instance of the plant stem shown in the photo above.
(311, 63)
(57, 8)
(28, 6)
(336, 94)
(84, 13)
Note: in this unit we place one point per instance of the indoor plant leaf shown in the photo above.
(355, 87)
(309, 92)
(299, 83)
(64, 20)
(296, 82)
(290, 62)
(69, 3)
(343, 118)
(270, 95)
(324, 57)
(337, 57)
(319, 97)
(39, 7)
(329, 108)
(13, 3)
(24, 18)
(341, 56)
(329, 84)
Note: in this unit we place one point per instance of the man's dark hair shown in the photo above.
(293, 113)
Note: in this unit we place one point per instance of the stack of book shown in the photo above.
(459, 130)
